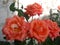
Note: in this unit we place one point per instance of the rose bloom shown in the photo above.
(34, 9)
(38, 30)
(54, 29)
(15, 28)
(58, 7)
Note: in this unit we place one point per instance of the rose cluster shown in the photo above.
(16, 28)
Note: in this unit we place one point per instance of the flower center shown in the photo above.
(15, 28)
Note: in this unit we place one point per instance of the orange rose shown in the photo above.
(38, 30)
(15, 28)
(54, 29)
(34, 9)
(58, 7)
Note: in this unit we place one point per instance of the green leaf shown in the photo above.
(26, 16)
(57, 41)
(22, 6)
(4, 43)
(21, 13)
(4, 37)
(55, 17)
(48, 42)
(12, 8)
(16, 42)
(30, 42)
